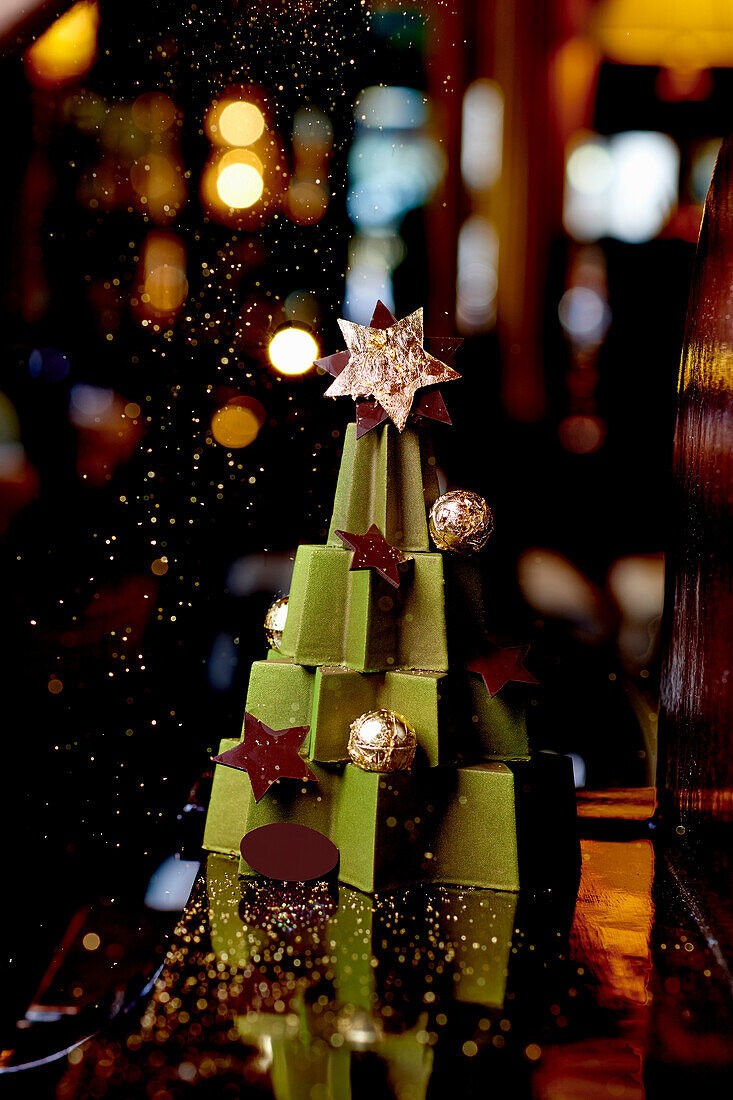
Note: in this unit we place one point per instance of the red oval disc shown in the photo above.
(291, 853)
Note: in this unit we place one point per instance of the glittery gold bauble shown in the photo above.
(382, 741)
(461, 521)
(275, 622)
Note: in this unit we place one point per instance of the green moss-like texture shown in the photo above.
(389, 480)
(340, 616)
(453, 720)
(452, 714)
(456, 825)
(452, 825)
(476, 844)
(231, 794)
(341, 695)
(280, 694)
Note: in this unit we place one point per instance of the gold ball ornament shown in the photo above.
(275, 622)
(461, 521)
(382, 741)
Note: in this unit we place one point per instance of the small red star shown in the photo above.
(430, 405)
(372, 551)
(268, 755)
(503, 664)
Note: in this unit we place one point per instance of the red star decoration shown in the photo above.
(429, 405)
(372, 551)
(268, 755)
(503, 664)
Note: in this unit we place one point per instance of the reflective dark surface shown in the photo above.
(697, 692)
(323, 992)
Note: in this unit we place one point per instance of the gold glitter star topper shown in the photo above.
(389, 364)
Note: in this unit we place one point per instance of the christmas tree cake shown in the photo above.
(376, 718)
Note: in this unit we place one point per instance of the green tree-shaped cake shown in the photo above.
(385, 623)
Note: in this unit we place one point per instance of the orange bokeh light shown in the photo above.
(235, 426)
(67, 50)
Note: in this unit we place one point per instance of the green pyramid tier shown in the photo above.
(388, 479)
(340, 616)
(341, 696)
(453, 715)
(475, 810)
(450, 825)
(389, 829)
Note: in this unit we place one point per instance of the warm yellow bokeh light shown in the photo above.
(292, 351)
(234, 426)
(164, 283)
(153, 176)
(654, 32)
(132, 410)
(159, 566)
(240, 123)
(307, 202)
(239, 185)
(68, 49)
(166, 288)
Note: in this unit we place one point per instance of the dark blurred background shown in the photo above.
(192, 195)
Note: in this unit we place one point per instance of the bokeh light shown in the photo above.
(313, 130)
(239, 185)
(292, 351)
(68, 49)
(584, 315)
(239, 182)
(307, 202)
(302, 307)
(482, 134)
(164, 283)
(90, 405)
(235, 426)
(49, 363)
(159, 185)
(240, 123)
(582, 435)
(153, 112)
(590, 168)
(165, 288)
(477, 275)
(623, 186)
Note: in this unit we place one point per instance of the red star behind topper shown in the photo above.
(372, 551)
(430, 405)
(267, 755)
(502, 664)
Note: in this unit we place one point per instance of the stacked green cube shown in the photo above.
(353, 643)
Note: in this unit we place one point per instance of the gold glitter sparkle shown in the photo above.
(389, 364)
